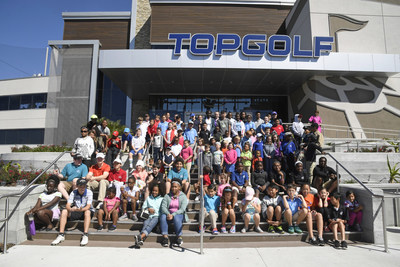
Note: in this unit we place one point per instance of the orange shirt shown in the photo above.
(310, 200)
(97, 171)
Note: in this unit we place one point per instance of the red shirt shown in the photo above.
(114, 142)
(186, 153)
(206, 180)
(152, 129)
(119, 176)
(278, 129)
(256, 160)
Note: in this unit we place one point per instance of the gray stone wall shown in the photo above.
(143, 19)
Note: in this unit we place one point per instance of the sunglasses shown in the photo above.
(84, 131)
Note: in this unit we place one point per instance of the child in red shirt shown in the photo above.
(257, 158)
(206, 182)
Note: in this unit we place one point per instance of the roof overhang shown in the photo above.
(158, 71)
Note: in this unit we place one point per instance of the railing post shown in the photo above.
(6, 227)
(384, 225)
(201, 214)
(337, 177)
(358, 146)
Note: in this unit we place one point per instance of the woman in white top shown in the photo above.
(46, 209)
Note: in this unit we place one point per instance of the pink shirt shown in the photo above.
(316, 119)
(221, 189)
(230, 156)
(140, 175)
(186, 153)
(110, 203)
(174, 204)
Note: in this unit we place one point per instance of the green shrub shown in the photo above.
(42, 148)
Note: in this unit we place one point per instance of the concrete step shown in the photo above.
(124, 235)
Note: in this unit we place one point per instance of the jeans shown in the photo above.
(149, 225)
(177, 221)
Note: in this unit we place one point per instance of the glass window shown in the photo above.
(26, 101)
(15, 102)
(39, 101)
(4, 102)
(25, 136)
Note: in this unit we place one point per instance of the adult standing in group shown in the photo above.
(72, 171)
(298, 129)
(84, 146)
(97, 177)
(238, 127)
(249, 124)
(317, 119)
(258, 121)
(209, 121)
(173, 209)
(104, 133)
(163, 125)
(224, 124)
(190, 134)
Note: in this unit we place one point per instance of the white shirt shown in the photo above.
(84, 146)
(138, 142)
(176, 150)
(143, 128)
(46, 198)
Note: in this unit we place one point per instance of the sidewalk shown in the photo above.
(307, 255)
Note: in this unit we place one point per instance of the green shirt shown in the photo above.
(248, 154)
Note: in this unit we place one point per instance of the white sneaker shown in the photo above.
(197, 198)
(130, 165)
(99, 205)
(58, 240)
(258, 229)
(244, 230)
(84, 240)
(134, 218)
(123, 217)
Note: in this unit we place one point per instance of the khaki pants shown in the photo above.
(102, 186)
(212, 217)
(310, 165)
(248, 170)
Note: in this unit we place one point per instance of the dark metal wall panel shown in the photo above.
(242, 20)
(113, 34)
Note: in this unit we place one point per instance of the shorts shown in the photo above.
(234, 188)
(67, 185)
(251, 217)
(328, 183)
(135, 153)
(78, 215)
(56, 214)
(217, 169)
(294, 216)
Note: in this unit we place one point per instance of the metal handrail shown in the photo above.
(21, 193)
(382, 197)
(201, 213)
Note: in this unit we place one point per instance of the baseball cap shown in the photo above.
(288, 133)
(300, 116)
(249, 193)
(274, 113)
(100, 155)
(259, 135)
(94, 116)
(117, 160)
(115, 133)
(126, 130)
(192, 114)
(81, 181)
(78, 156)
(140, 163)
(190, 122)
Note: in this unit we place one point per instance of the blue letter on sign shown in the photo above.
(279, 52)
(318, 47)
(246, 50)
(222, 46)
(178, 37)
(202, 51)
(296, 48)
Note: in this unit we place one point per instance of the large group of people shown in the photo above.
(273, 165)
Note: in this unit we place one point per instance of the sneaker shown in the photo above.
(344, 244)
(179, 241)
(271, 229)
(130, 165)
(244, 230)
(165, 242)
(279, 229)
(100, 228)
(291, 230)
(197, 198)
(134, 218)
(313, 241)
(84, 240)
(258, 229)
(297, 229)
(223, 230)
(233, 229)
(326, 229)
(58, 240)
(204, 229)
(321, 242)
(123, 217)
(358, 228)
(215, 231)
(112, 228)
(138, 240)
(336, 244)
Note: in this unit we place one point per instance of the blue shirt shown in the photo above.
(190, 135)
(258, 145)
(212, 203)
(265, 126)
(244, 140)
(72, 171)
(288, 148)
(249, 125)
(83, 200)
(163, 126)
(181, 175)
(294, 204)
(237, 149)
(127, 138)
(239, 178)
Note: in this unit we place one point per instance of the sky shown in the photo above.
(27, 25)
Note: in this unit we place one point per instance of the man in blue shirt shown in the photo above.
(163, 125)
(249, 124)
(266, 124)
(190, 134)
(72, 171)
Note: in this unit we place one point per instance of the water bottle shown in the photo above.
(32, 228)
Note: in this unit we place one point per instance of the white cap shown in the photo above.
(100, 155)
(118, 160)
(259, 135)
(140, 163)
(249, 193)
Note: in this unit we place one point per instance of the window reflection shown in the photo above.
(15, 102)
